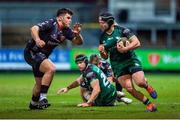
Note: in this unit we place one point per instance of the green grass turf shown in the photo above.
(15, 95)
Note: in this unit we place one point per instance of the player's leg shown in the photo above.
(126, 82)
(141, 81)
(34, 104)
(48, 68)
(34, 59)
(118, 86)
(121, 95)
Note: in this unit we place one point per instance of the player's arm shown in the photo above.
(71, 86)
(35, 35)
(135, 43)
(46, 25)
(95, 92)
(103, 52)
(78, 39)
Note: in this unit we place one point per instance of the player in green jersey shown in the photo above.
(125, 64)
(103, 93)
(106, 68)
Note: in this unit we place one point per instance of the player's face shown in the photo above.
(103, 24)
(95, 61)
(81, 65)
(66, 20)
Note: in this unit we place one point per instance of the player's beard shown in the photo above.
(66, 25)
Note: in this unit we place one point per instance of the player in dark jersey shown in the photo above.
(106, 68)
(45, 37)
(103, 93)
(124, 62)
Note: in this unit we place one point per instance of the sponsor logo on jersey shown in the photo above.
(110, 38)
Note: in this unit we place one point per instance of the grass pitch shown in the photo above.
(15, 95)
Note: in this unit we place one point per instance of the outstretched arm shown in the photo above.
(71, 86)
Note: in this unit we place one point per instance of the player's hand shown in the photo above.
(62, 90)
(121, 48)
(84, 105)
(40, 43)
(101, 48)
(77, 28)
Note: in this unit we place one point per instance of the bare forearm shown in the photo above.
(104, 55)
(78, 39)
(73, 85)
(94, 95)
(134, 44)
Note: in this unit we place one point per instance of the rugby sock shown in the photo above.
(147, 102)
(118, 87)
(35, 100)
(44, 90)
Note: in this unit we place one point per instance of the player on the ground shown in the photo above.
(124, 62)
(103, 93)
(45, 37)
(106, 68)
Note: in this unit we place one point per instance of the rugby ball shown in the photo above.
(123, 41)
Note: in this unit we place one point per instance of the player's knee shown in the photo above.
(52, 70)
(142, 83)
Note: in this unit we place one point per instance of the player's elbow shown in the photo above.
(98, 90)
(33, 28)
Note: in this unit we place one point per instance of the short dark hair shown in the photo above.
(64, 11)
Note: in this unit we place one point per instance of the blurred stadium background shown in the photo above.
(155, 22)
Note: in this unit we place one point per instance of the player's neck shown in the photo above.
(60, 25)
(110, 31)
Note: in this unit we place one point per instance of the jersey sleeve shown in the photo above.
(127, 33)
(68, 33)
(46, 25)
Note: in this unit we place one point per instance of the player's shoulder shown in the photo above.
(48, 22)
(90, 71)
(120, 27)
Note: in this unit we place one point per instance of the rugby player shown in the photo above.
(103, 93)
(124, 62)
(45, 37)
(106, 68)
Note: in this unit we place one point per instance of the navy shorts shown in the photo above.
(34, 59)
